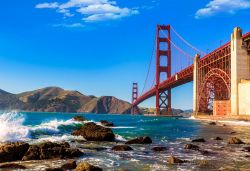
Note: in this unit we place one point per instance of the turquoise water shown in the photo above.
(164, 131)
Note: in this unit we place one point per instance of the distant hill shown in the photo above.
(55, 99)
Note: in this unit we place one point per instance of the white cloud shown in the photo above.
(90, 10)
(74, 25)
(222, 6)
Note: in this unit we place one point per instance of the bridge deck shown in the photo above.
(185, 75)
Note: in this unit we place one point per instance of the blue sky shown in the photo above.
(100, 47)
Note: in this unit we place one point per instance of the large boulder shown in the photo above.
(84, 166)
(106, 123)
(93, 132)
(49, 150)
(13, 151)
(235, 140)
(140, 140)
(122, 148)
(69, 165)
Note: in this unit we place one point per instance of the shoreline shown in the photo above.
(245, 118)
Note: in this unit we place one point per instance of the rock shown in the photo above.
(212, 123)
(140, 140)
(202, 163)
(84, 166)
(122, 148)
(69, 165)
(13, 151)
(235, 140)
(49, 150)
(79, 118)
(218, 138)
(158, 149)
(233, 132)
(93, 132)
(246, 149)
(106, 123)
(12, 166)
(174, 160)
(191, 147)
(199, 140)
(54, 169)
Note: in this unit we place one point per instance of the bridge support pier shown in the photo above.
(240, 70)
(195, 84)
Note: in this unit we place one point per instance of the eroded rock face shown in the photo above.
(106, 123)
(122, 148)
(93, 132)
(159, 149)
(49, 150)
(84, 166)
(174, 160)
(13, 151)
(191, 147)
(235, 140)
(140, 140)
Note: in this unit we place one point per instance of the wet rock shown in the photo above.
(49, 150)
(174, 160)
(106, 123)
(218, 138)
(235, 140)
(69, 165)
(93, 132)
(13, 151)
(122, 148)
(158, 149)
(12, 166)
(212, 123)
(199, 140)
(84, 166)
(140, 140)
(79, 118)
(191, 147)
(246, 149)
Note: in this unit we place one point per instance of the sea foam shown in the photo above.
(12, 128)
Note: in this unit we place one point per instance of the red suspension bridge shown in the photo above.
(216, 76)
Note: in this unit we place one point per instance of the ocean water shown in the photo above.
(172, 133)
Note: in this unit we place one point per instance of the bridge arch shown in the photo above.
(215, 86)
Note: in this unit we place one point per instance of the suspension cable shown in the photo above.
(179, 49)
(149, 66)
(185, 41)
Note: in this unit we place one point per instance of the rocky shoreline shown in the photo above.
(13, 155)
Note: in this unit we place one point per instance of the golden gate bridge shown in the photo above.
(216, 75)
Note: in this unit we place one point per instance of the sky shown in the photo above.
(99, 47)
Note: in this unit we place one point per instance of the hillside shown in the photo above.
(55, 99)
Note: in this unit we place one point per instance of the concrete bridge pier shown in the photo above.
(240, 75)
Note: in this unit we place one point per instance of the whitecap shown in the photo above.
(12, 128)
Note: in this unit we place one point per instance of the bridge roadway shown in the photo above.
(184, 76)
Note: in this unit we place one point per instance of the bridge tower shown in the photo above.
(134, 96)
(163, 50)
